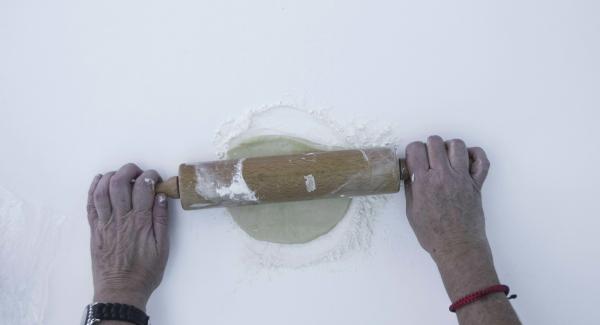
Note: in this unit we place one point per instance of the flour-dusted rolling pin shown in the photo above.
(306, 176)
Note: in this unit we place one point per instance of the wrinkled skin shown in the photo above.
(129, 238)
(443, 196)
(443, 205)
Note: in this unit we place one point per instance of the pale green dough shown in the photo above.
(288, 222)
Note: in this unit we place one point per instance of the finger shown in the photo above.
(416, 159)
(120, 188)
(143, 190)
(91, 208)
(479, 165)
(160, 221)
(458, 155)
(436, 150)
(102, 198)
(408, 193)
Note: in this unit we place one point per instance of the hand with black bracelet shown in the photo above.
(129, 242)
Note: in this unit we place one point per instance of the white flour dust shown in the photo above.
(311, 185)
(238, 189)
(215, 190)
(28, 240)
(354, 232)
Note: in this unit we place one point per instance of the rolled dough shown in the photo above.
(288, 222)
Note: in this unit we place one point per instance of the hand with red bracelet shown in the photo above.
(443, 205)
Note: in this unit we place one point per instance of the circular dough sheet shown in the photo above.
(287, 222)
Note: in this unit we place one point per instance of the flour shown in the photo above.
(215, 190)
(355, 231)
(149, 182)
(309, 181)
(28, 243)
(238, 190)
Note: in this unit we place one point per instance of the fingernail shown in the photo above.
(162, 199)
(149, 182)
(412, 178)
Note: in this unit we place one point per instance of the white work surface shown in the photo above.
(86, 86)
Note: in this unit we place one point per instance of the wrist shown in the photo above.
(138, 300)
(466, 269)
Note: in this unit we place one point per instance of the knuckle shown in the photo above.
(129, 166)
(151, 173)
(128, 169)
(148, 178)
(118, 180)
(478, 151)
(434, 138)
(456, 143)
(413, 148)
(414, 145)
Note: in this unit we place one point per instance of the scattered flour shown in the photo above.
(28, 238)
(354, 232)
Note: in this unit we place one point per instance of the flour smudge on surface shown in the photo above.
(28, 243)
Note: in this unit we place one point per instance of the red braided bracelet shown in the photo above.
(470, 298)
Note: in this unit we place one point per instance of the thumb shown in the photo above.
(479, 165)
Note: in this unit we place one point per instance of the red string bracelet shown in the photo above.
(470, 298)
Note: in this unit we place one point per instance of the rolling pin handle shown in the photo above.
(170, 187)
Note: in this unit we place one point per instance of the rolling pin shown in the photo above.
(305, 176)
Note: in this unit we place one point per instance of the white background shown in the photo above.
(86, 86)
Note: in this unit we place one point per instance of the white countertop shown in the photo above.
(87, 86)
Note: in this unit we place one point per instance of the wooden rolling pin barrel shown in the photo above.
(305, 176)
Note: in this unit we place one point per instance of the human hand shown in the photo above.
(443, 204)
(129, 237)
(443, 196)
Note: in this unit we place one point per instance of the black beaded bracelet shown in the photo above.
(121, 312)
